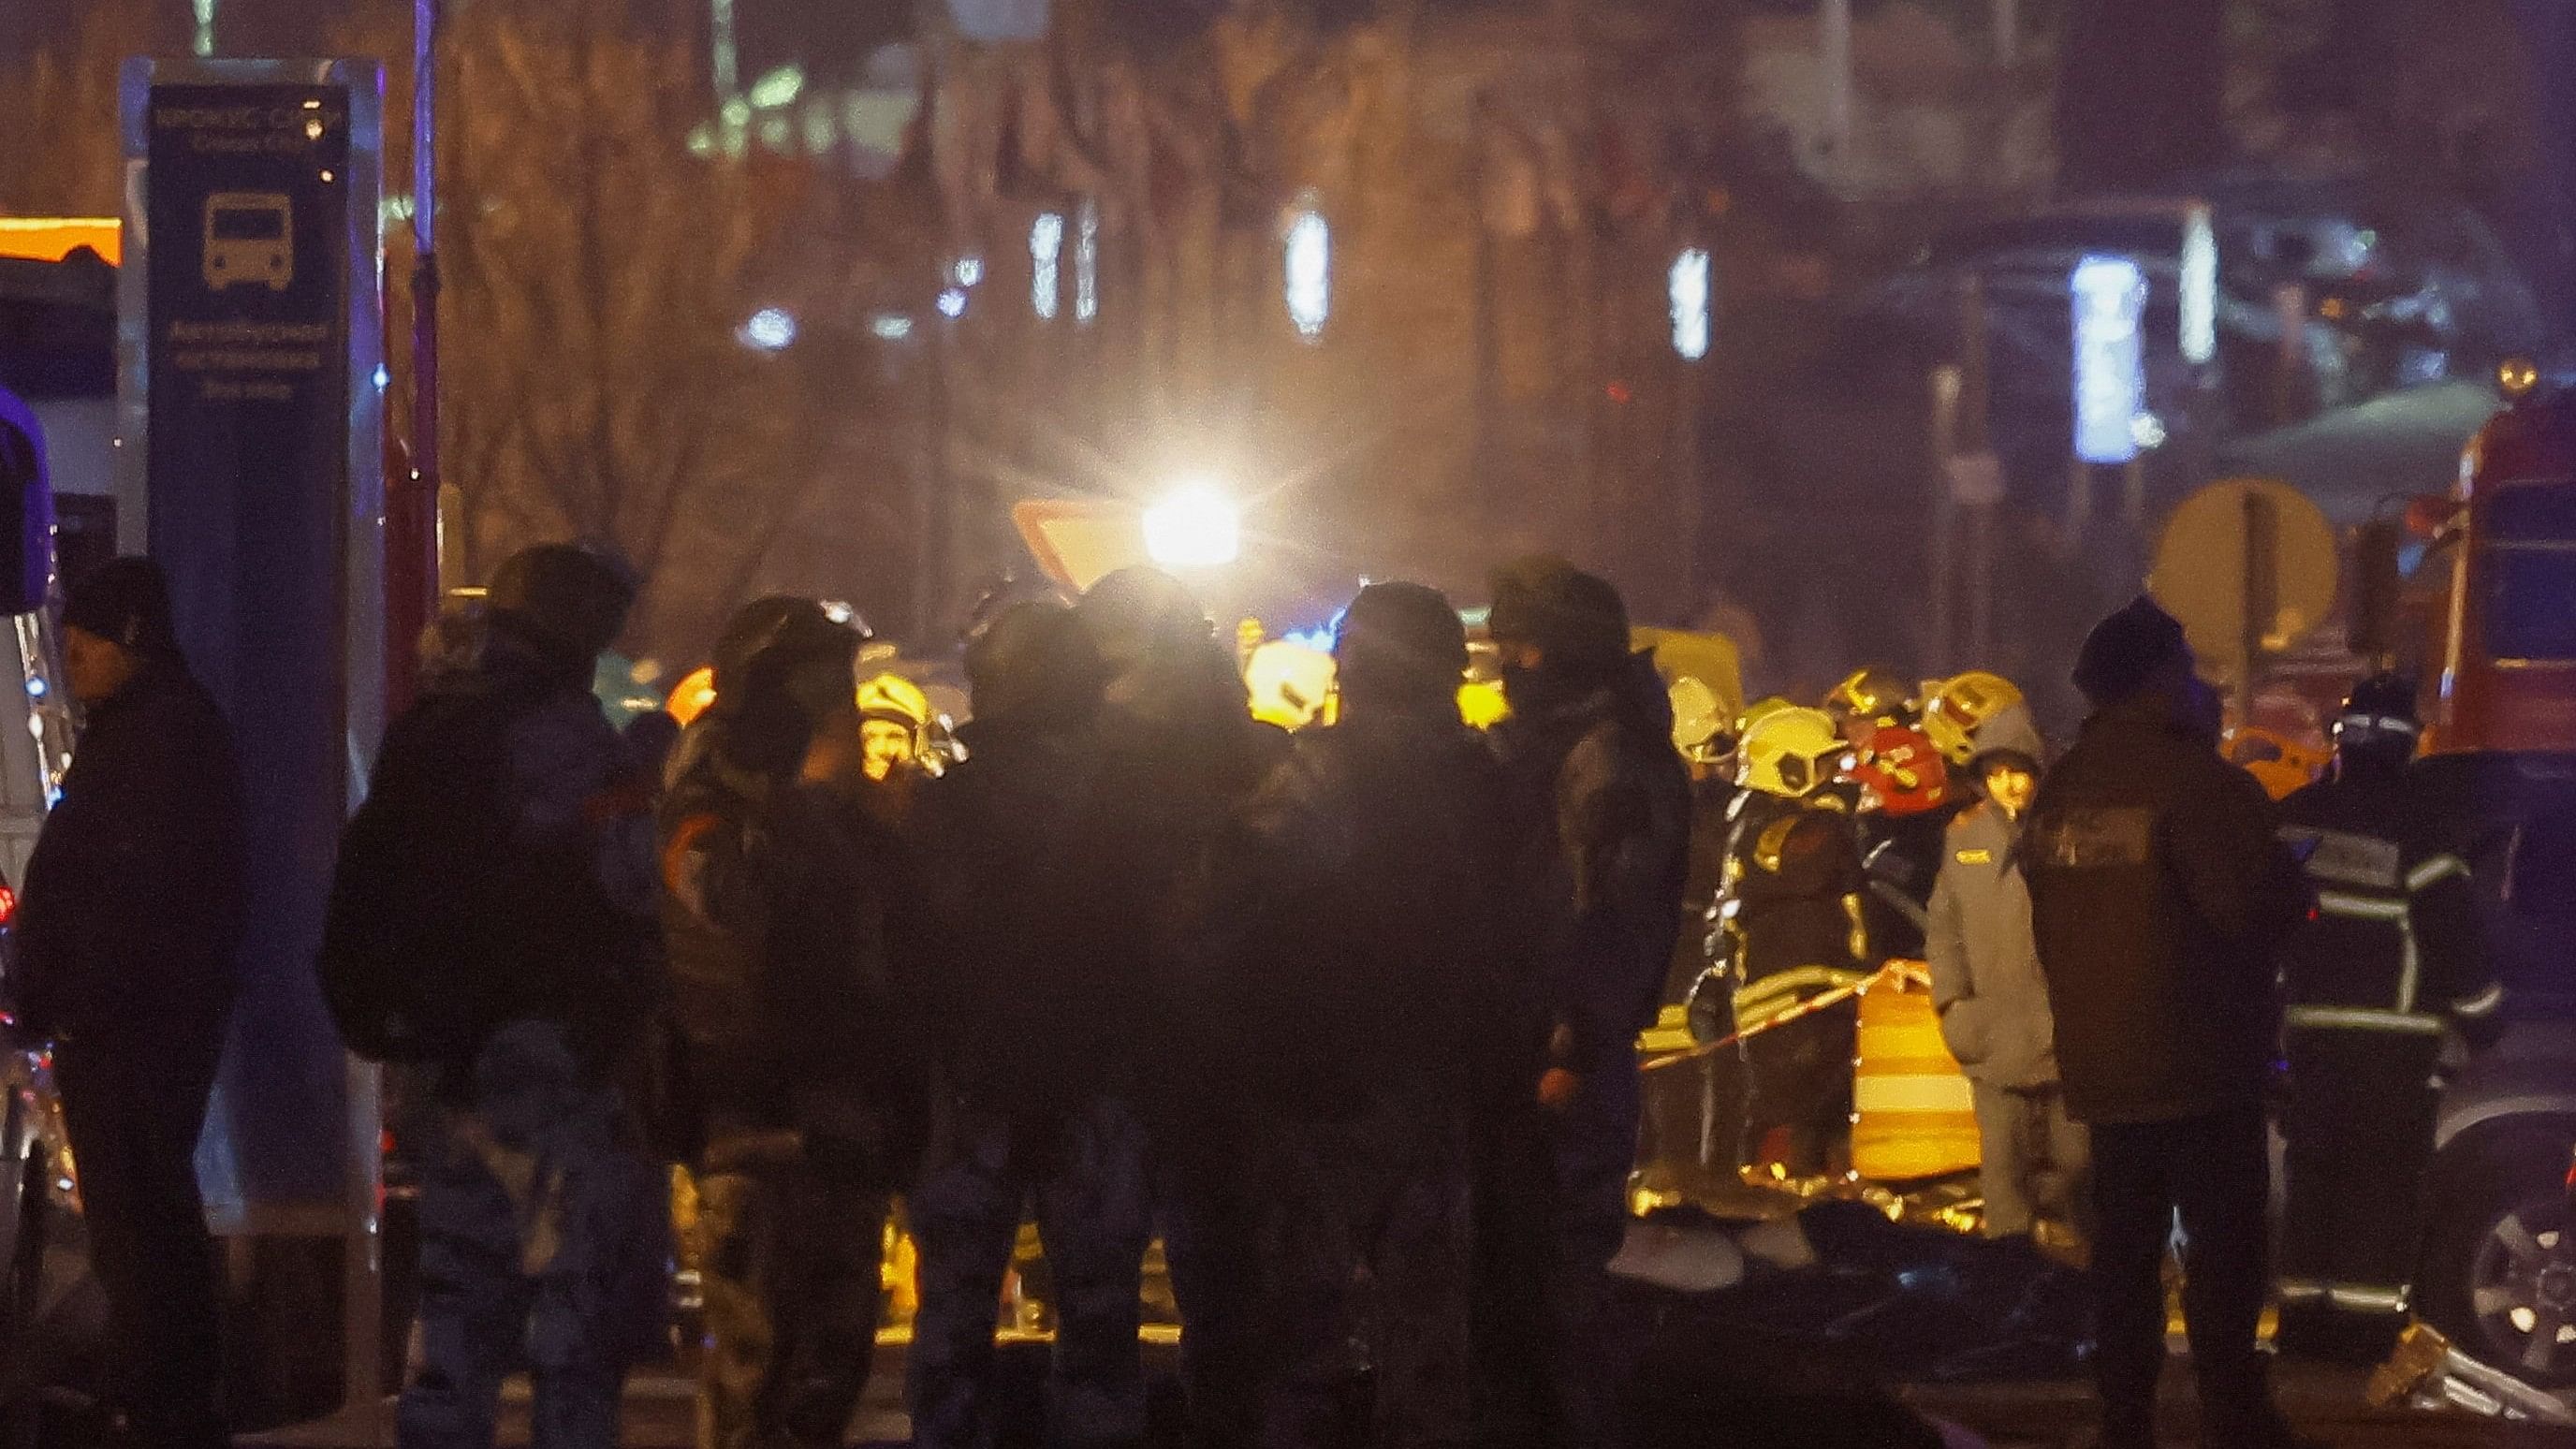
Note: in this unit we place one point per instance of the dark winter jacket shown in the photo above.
(1015, 963)
(2158, 893)
(1360, 900)
(776, 910)
(1161, 794)
(1604, 799)
(131, 918)
(1986, 980)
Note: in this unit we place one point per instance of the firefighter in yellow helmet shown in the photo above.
(1787, 929)
(1958, 707)
(894, 724)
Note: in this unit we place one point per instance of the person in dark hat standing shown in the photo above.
(1359, 893)
(128, 933)
(2158, 895)
(1601, 802)
(1020, 982)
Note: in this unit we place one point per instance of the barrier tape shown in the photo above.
(1907, 972)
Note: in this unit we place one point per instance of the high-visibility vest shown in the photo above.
(1913, 1113)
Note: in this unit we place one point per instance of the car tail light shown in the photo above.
(8, 907)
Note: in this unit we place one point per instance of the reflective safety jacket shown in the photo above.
(1791, 905)
(2393, 945)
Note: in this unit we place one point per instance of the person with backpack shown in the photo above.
(127, 938)
(492, 923)
(780, 893)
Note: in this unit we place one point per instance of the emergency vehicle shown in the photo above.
(2486, 621)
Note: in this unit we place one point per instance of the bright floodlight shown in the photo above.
(1195, 527)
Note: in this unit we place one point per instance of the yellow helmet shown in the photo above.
(1952, 716)
(1698, 719)
(1870, 694)
(1481, 703)
(1789, 752)
(1290, 684)
(895, 698)
(1758, 711)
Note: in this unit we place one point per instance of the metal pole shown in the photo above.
(1980, 533)
(2290, 310)
(411, 501)
(1834, 58)
(1945, 585)
(2261, 597)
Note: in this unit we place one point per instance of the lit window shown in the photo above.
(2199, 280)
(1309, 267)
(1690, 304)
(770, 330)
(2108, 295)
(952, 303)
(1086, 262)
(1046, 241)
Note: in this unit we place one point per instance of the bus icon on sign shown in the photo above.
(250, 240)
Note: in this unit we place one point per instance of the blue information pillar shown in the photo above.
(252, 418)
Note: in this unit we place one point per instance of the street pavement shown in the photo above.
(2326, 1403)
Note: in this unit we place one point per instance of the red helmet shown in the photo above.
(1901, 768)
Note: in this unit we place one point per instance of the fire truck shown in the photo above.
(2486, 621)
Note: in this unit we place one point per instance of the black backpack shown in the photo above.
(416, 960)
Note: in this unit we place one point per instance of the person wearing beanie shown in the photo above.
(491, 924)
(565, 602)
(2158, 895)
(778, 887)
(128, 934)
(1014, 967)
(1361, 894)
(1602, 800)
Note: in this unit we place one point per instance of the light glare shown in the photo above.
(1194, 527)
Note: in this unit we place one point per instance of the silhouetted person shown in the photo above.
(1359, 895)
(1601, 806)
(1017, 967)
(128, 935)
(2158, 894)
(777, 891)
